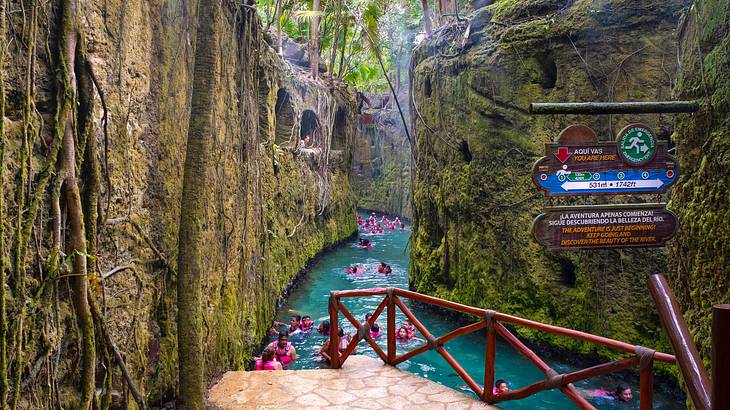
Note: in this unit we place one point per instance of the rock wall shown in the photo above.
(381, 163)
(272, 206)
(474, 200)
(698, 270)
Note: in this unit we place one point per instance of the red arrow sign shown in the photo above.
(562, 154)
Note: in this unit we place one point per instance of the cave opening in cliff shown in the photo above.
(310, 126)
(339, 130)
(549, 72)
(567, 272)
(285, 116)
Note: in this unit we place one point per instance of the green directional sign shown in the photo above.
(636, 144)
(580, 176)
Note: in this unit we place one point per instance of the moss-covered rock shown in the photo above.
(473, 197)
(272, 205)
(381, 164)
(698, 272)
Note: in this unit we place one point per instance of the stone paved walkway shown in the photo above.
(362, 383)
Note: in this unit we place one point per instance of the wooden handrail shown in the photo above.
(641, 357)
(576, 334)
(690, 364)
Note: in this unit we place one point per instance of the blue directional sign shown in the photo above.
(622, 181)
(637, 164)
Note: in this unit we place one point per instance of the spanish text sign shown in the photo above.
(604, 226)
(635, 164)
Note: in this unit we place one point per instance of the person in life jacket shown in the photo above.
(622, 393)
(381, 267)
(268, 361)
(500, 387)
(365, 244)
(402, 335)
(375, 331)
(283, 350)
(409, 327)
(307, 323)
(344, 340)
(295, 324)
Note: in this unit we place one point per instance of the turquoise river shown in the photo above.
(311, 295)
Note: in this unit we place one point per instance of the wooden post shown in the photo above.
(334, 336)
(604, 108)
(646, 380)
(721, 357)
(688, 358)
(489, 361)
(391, 327)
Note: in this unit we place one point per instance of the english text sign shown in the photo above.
(604, 226)
(635, 164)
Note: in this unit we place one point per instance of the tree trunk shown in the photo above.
(4, 382)
(191, 362)
(426, 17)
(335, 38)
(77, 245)
(342, 51)
(314, 41)
(277, 16)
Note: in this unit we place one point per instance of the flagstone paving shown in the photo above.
(362, 383)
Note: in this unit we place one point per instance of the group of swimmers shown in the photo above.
(280, 354)
(371, 225)
(383, 268)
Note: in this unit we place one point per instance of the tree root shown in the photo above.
(109, 341)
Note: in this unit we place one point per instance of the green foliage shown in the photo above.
(392, 26)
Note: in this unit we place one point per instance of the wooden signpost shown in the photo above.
(578, 164)
(571, 228)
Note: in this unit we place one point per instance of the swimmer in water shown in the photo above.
(295, 325)
(622, 393)
(307, 323)
(353, 270)
(283, 350)
(402, 335)
(409, 327)
(324, 328)
(267, 360)
(500, 387)
(375, 331)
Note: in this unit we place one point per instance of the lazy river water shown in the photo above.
(311, 296)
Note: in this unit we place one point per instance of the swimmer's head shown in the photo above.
(268, 354)
(283, 338)
(501, 386)
(623, 392)
(375, 328)
(295, 319)
(341, 333)
(324, 327)
(402, 333)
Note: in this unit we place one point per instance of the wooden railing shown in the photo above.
(492, 321)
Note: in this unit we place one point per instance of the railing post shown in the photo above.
(334, 333)
(688, 358)
(721, 357)
(646, 381)
(489, 357)
(391, 327)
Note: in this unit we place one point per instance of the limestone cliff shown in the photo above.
(699, 273)
(381, 163)
(272, 205)
(474, 200)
